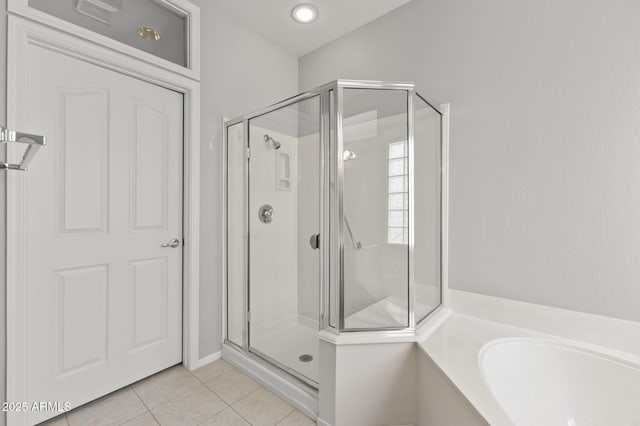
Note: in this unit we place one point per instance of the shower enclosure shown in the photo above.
(333, 220)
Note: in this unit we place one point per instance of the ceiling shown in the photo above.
(272, 19)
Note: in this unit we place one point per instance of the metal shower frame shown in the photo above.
(329, 216)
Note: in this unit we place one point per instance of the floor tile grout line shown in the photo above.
(170, 399)
(133, 418)
(140, 398)
(212, 416)
(224, 371)
(216, 394)
(95, 402)
(255, 390)
(227, 405)
(241, 397)
(175, 397)
(214, 378)
(240, 414)
(293, 409)
(200, 383)
(141, 401)
(315, 422)
(154, 417)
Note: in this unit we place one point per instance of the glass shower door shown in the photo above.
(284, 226)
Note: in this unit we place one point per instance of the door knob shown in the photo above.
(174, 243)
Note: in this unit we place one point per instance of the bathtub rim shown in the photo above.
(605, 354)
(477, 320)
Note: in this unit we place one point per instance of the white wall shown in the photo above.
(545, 159)
(375, 384)
(407, 388)
(439, 402)
(235, 80)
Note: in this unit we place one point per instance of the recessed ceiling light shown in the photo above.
(149, 33)
(304, 13)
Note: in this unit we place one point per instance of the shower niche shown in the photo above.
(352, 171)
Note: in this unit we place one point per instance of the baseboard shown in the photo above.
(321, 422)
(209, 359)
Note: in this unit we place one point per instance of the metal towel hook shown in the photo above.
(33, 142)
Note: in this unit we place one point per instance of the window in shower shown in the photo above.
(398, 205)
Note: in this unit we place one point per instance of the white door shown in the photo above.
(104, 298)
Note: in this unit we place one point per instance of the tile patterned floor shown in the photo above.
(214, 395)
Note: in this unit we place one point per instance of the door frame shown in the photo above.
(21, 34)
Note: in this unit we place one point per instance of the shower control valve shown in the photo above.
(265, 214)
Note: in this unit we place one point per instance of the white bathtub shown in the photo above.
(545, 382)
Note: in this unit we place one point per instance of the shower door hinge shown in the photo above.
(247, 152)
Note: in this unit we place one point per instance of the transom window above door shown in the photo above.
(158, 27)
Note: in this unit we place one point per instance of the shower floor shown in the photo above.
(287, 342)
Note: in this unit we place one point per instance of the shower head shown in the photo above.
(272, 141)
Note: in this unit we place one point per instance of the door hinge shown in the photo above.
(247, 152)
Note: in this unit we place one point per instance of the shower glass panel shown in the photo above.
(235, 233)
(333, 301)
(284, 227)
(375, 209)
(427, 207)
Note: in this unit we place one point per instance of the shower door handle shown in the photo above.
(314, 241)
